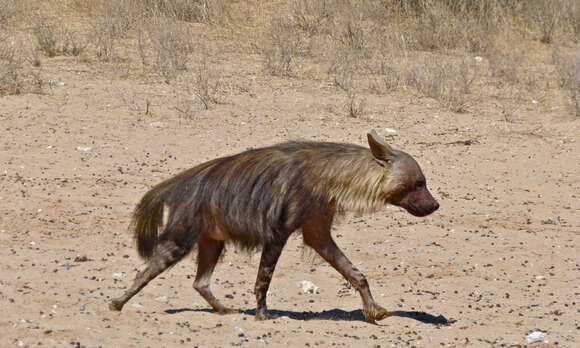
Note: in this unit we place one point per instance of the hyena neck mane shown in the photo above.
(348, 176)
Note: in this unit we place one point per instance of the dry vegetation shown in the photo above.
(456, 52)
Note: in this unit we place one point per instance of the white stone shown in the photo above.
(307, 287)
(537, 336)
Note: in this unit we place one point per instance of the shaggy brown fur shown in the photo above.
(259, 197)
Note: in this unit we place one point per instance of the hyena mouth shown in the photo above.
(419, 211)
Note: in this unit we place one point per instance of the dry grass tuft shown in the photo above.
(355, 105)
(11, 81)
(444, 81)
(171, 44)
(283, 47)
(114, 21)
(189, 10)
(57, 41)
(9, 10)
(568, 67)
(14, 78)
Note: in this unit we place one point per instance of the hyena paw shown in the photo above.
(115, 305)
(264, 315)
(226, 310)
(375, 313)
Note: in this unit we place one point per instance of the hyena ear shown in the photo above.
(380, 149)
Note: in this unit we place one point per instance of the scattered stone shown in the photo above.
(83, 258)
(537, 336)
(390, 130)
(307, 287)
(240, 331)
(163, 299)
(554, 221)
(157, 124)
(137, 305)
(84, 148)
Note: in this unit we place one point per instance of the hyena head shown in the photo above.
(406, 186)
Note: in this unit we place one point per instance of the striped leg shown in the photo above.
(270, 255)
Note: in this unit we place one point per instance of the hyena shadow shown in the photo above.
(334, 315)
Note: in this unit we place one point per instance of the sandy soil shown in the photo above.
(498, 260)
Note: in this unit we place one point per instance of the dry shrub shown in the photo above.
(568, 67)
(354, 104)
(349, 47)
(444, 81)
(47, 41)
(434, 28)
(114, 21)
(56, 41)
(283, 48)
(311, 16)
(571, 20)
(505, 65)
(11, 81)
(171, 44)
(189, 10)
(446, 24)
(544, 13)
(9, 10)
(198, 90)
(14, 78)
(216, 11)
(553, 18)
(206, 82)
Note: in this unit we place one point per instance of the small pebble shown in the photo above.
(307, 287)
(163, 299)
(537, 336)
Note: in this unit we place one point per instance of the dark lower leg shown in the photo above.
(168, 254)
(208, 256)
(268, 260)
(316, 234)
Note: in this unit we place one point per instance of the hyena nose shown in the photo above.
(435, 205)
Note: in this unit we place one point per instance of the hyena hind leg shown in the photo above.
(209, 251)
(166, 255)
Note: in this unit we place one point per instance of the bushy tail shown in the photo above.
(148, 218)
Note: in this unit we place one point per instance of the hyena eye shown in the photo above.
(420, 184)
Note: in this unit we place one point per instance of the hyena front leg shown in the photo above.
(209, 251)
(167, 254)
(316, 233)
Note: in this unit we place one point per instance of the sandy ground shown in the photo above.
(498, 260)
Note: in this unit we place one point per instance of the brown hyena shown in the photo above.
(258, 198)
